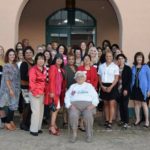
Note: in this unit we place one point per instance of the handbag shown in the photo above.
(52, 106)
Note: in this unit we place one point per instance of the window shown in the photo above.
(70, 27)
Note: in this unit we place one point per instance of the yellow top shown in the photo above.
(1, 62)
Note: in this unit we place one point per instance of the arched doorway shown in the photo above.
(32, 21)
(70, 27)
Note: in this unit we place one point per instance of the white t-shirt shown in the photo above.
(108, 72)
(84, 92)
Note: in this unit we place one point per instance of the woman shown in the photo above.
(78, 56)
(91, 71)
(47, 65)
(94, 56)
(39, 49)
(83, 48)
(49, 47)
(100, 52)
(25, 43)
(81, 98)
(108, 77)
(91, 77)
(114, 48)
(56, 89)
(10, 89)
(124, 83)
(140, 87)
(19, 46)
(70, 70)
(118, 51)
(25, 108)
(89, 45)
(53, 53)
(20, 57)
(37, 81)
(105, 44)
(62, 49)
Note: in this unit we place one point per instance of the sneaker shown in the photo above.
(126, 126)
(109, 126)
(121, 123)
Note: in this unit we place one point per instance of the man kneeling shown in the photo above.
(81, 99)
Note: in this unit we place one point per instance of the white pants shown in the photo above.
(37, 107)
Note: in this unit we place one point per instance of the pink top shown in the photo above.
(65, 60)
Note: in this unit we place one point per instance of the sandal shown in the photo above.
(9, 127)
(57, 133)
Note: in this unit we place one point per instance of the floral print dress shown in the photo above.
(11, 73)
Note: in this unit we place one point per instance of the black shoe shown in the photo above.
(24, 127)
(40, 131)
(106, 123)
(34, 133)
(121, 123)
(109, 126)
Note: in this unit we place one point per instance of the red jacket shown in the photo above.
(91, 75)
(53, 86)
(37, 81)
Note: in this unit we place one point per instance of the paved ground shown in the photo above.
(135, 138)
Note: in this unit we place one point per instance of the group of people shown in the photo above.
(40, 82)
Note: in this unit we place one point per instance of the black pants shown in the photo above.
(21, 103)
(46, 112)
(9, 117)
(123, 107)
(26, 115)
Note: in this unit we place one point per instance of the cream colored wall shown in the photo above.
(32, 23)
(9, 12)
(135, 16)
(136, 26)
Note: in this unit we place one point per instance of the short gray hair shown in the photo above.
(80, 74)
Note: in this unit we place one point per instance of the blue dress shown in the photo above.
(11, 73)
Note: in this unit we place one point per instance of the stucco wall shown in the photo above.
(135, 16)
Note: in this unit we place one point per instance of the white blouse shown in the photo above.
(81, 92)
(108, 72)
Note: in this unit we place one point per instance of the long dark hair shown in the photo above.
(50, 59)
(62, 65)
(56, 57)
(65, 48)
(108, 44)
(7, 55)
(17, 46)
